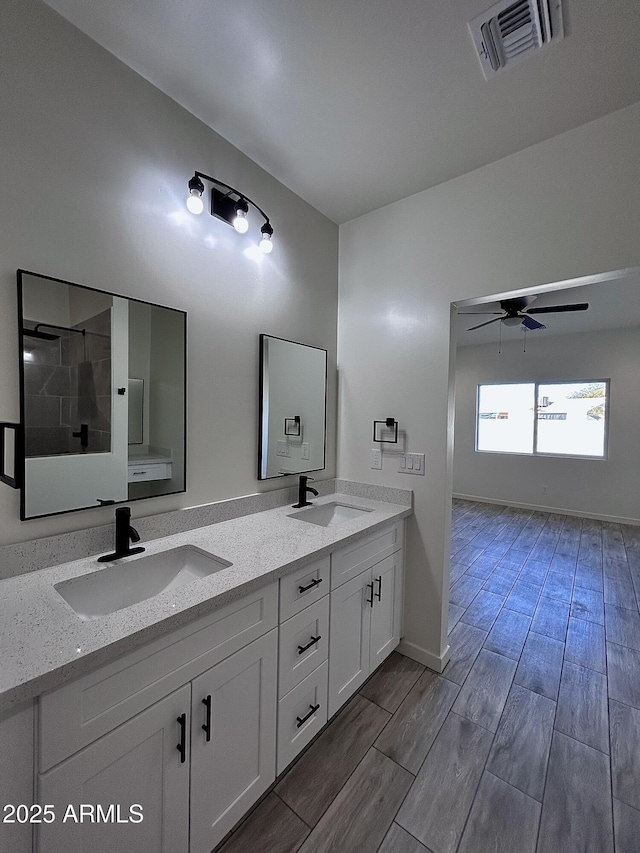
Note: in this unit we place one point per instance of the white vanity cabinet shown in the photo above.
(193, 784)
(191, 729)
(233, 740)
(135, 765)
(303, 652)
(366, 610)
(16, 777)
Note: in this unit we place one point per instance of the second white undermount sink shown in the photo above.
(115, 587)
(329, 514)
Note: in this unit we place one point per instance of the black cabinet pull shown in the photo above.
(313, 583)
(182, 746)
(206, 726)
(379, 592)
(370, 588)
(303, 649)
(303, 720)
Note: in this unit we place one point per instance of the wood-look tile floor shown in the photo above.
(528, 742)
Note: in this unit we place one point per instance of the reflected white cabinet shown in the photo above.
(366, 615)
(137, 764)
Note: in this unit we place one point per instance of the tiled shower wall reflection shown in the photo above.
(68, 383)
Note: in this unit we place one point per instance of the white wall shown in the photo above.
(567, 207)
(94, 170)
(605, 488)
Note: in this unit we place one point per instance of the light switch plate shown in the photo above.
(411, 463)
(283, 449)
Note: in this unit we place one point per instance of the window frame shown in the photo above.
(536, 396)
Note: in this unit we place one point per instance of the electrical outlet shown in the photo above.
(376, 458)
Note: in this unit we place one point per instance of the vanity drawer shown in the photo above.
(302, 587)
(296, 706)
(366, 552)
(298, 633)
(154, 471)
(77, 713)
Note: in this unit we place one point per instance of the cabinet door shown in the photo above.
(385, 615)
(350, 626)
(136, 764)
(16, 776)
(232, 769)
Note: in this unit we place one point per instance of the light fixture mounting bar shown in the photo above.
(226, 196)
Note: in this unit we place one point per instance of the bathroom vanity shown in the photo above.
(188, 704)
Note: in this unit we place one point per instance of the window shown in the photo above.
(552, 418)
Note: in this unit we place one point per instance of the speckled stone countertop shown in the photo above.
(43, 642)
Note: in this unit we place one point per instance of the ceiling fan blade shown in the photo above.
(579, 306)
(485, 313)
(495, 320)
(532, 324)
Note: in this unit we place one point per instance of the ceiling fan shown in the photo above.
(516, 312)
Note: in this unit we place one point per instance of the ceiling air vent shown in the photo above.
(508, 31)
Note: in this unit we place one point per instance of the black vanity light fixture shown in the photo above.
(228, 204)
(389, 424)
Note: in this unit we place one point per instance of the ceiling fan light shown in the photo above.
(512, 321)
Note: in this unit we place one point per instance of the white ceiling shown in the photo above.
(612, 305)
(353, 104)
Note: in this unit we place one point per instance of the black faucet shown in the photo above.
(125, 534)
(302, 492)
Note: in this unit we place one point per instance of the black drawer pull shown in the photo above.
(206, 726)
(370, 588)
(379, 592)
(303, 720)
(313, 583)
(303, 649)
(182, 746)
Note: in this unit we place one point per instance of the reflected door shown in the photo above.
(91, 475)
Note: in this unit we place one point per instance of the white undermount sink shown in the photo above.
(115, 587)
(329, 514)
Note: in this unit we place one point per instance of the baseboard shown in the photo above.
(539, 508)
(417, 653)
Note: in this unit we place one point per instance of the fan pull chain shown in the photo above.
(500, 339)
(524, 347)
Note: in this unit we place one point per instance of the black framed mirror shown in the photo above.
(293, 408)
(102, 397)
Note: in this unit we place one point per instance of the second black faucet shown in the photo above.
(303, 488)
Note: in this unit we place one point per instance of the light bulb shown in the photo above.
(512, 321)
(194, 202)
(265, 244)
(240, 221)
